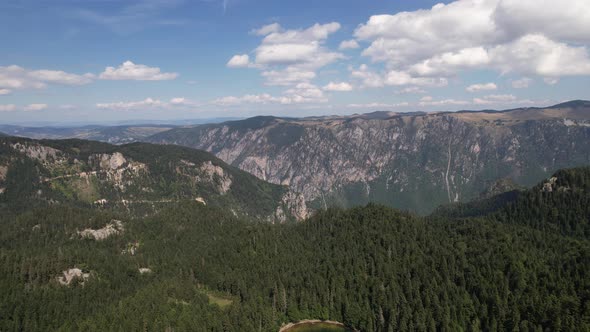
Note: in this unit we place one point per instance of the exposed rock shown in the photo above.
(36, 151)
(216, 174)
(414, 161)
(3, 172)
(113, 228)
(71, 274)
(201, 200)
(144, 270)
(101, 202)
(114, 161)
(131, 249)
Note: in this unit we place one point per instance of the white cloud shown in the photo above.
(411, 90)
(16, 77)
(7, 108)
(342, 86)
(349, 45)
(5, 92)
(522, 83)
(482, 87)
(531, 37)
(239, 61)
(536, 54)
(35, 107)
(551, 80)
(378, 105)
(288, 76)
(61, 77)
(267, 29)
(445, 102)
(302, 93)
(506, 99)
(131, 71)
(148, 104)
(372, 79)
(289, 57)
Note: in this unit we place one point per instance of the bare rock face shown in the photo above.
(113, 228)
(114, 161)
(72, 274)
(36, 151)
(292, 206)
(216, 174)
(410, 161)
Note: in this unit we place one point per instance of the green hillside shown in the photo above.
(372, 268)
(137, 177)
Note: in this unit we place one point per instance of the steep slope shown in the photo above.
(372, 268)
(410, 161)
(141, 177)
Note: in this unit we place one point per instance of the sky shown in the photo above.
(100, 61)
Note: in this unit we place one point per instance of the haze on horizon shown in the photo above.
(106, 61)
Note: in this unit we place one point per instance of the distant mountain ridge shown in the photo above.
(411, 161)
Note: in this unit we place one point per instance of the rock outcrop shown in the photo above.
(113, 228)
(71, 275)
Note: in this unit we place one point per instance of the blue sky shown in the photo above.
(109, 60)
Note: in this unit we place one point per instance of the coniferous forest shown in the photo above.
(517, 263)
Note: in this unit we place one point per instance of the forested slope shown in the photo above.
(523, 267)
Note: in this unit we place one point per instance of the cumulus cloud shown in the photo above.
(302, 93)
(411, 90)
(35, 107)
(482, 87)
(349, 45)
(373, 79)
(146, 104)
(378, 105)
(16, 77)
(289, 57)
(239, 61)
(7, 108)
(531, 37)
(131, 71)
(267, 29)
(341, 87)
(522, 83)
(444, 102)
(551, 80)
(288, 76)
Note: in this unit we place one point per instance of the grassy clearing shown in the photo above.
(223, 301)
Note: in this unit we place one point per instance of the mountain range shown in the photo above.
(414, 161)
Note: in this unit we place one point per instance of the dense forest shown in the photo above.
(517, 262)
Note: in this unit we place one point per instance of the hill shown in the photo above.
(372, 268)
(139, 177)
(414, 161)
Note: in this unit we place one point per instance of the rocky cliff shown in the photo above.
(410, 161)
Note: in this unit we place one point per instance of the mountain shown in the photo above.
(109, 134)
(560, 204)
(139, 177)
(522, 267)
(411, 161)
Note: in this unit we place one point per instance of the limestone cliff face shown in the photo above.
(415, 161)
